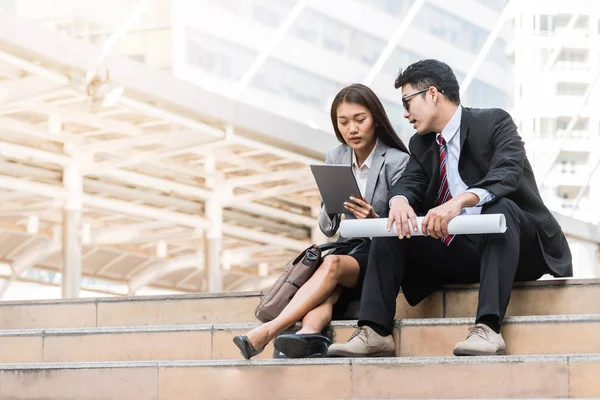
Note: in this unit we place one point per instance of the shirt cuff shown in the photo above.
(485, 196)
(395, 197)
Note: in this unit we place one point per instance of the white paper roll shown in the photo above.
(460, 225)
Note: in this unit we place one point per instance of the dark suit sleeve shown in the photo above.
(413, 182)
(508, 157)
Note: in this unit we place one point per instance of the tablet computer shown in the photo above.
(336, 184)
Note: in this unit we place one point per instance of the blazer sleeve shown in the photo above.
(508, 157)
(399, 168)
(328, 223)
(412, 182)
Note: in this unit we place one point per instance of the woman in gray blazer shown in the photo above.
(378, 157)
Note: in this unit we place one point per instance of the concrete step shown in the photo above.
(552, 297)
(370, 378)
(414, 338)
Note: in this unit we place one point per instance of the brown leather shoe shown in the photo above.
(364, 342)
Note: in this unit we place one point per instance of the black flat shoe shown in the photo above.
(302, 345)
(246, 348)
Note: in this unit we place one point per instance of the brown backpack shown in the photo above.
(297, 272)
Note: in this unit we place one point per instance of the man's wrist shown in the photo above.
(467, 199)
(399, 199)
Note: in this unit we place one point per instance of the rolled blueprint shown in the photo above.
(459, 225)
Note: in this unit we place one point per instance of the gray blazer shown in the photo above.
(387, 166)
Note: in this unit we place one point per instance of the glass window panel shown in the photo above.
(308, 26)
(335, 36)
(366, 48)
(571, 88)
(400, 58)
(546, 23)
(480, 94)
(496, 5)
(218, 56)
(295, 84)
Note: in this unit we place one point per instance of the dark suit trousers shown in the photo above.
(494, 260)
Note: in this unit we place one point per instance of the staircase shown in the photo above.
(180, 347)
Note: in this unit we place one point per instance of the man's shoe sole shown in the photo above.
(353, 355)
(462, 353)
(298, 348)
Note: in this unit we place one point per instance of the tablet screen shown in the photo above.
(336, 184)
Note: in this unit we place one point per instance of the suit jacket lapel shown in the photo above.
(376, 164)
(434, 157)
(464, 129)
(464, 132)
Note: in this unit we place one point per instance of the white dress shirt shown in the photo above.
(451, 134)
(361, 173)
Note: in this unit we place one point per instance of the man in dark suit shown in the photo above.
(463, 161)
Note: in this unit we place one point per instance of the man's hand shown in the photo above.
(435, 223)
(400, 213)
(360, 208)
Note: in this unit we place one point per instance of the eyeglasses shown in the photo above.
(405, 103)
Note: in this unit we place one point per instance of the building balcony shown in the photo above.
(557, 203)
(577, 40)
(578, 141)
(568, 175)
(572, 65)
(571, 32)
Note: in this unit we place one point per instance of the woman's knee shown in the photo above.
(331, 267)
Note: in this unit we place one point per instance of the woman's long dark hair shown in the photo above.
(360, 94)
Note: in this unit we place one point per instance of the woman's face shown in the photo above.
(356, 125)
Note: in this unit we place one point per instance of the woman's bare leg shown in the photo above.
(318, 317)
(334, 270)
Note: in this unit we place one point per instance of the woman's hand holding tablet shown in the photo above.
(339, 190)
(360, 208)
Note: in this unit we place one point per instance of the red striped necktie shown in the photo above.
(444, 190)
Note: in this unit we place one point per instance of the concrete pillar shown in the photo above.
(213, 240)
(71, 224)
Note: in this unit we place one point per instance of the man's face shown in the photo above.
(419, 110)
